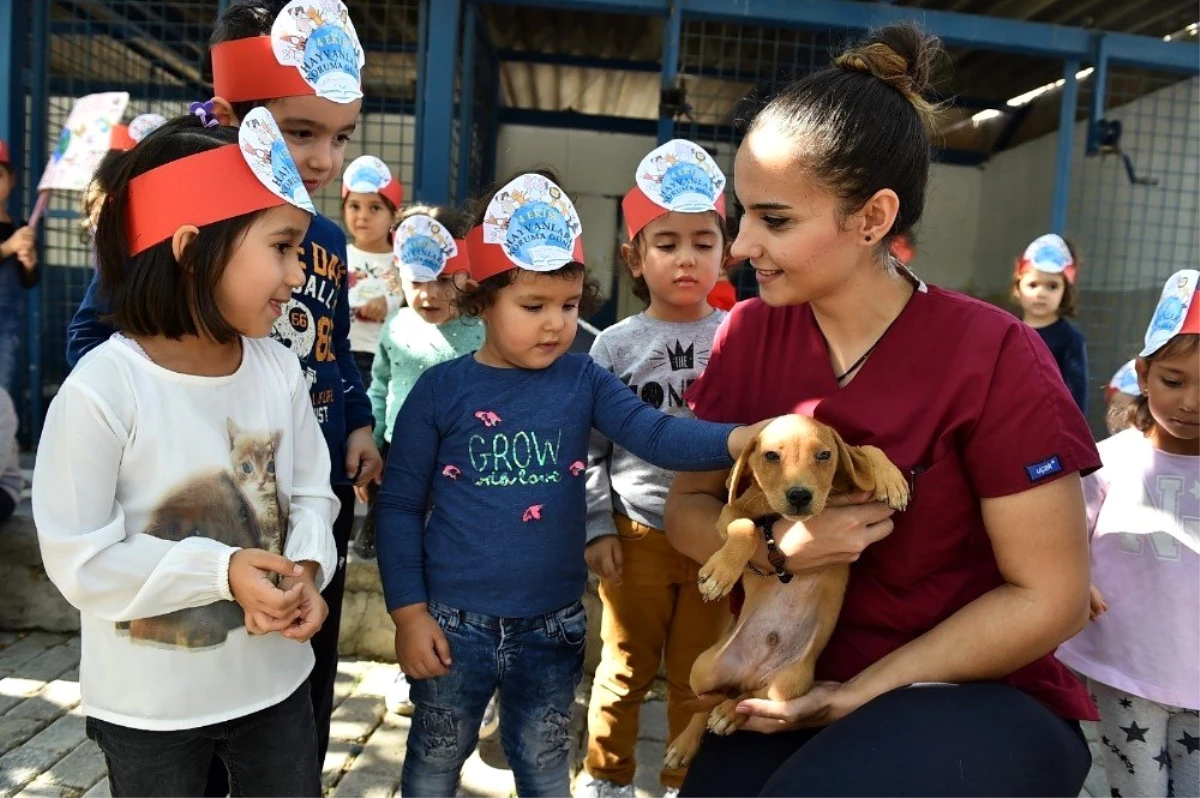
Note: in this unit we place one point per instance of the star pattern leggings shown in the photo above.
(1150, 749)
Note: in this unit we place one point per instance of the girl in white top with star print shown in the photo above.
(181, 490)
(1141, 650)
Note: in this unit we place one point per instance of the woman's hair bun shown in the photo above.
(902, 56)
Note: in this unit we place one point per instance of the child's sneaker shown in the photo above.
(397, 700)
(600, 788)
(671, 792)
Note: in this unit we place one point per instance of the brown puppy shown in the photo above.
(794, 466)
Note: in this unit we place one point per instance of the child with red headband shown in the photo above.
(181, 490)
(485, 587)
(1044, 286)
(259, 58)
(370, 198)
(1141, 652)
(675, 217)
(430, 255)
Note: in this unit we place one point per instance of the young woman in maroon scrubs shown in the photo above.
(986, 572)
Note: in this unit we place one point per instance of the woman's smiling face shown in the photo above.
(792, 233)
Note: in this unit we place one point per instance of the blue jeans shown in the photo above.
(270, 752)
(536, 663)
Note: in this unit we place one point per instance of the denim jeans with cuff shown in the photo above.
(536, 663)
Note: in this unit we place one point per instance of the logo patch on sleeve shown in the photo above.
(1045, 468)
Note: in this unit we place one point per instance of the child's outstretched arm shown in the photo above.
(86, 330)
(680, 444)
(603, 552)
(87, 551)
(421, 647)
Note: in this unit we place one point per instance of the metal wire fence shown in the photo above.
(1133, 211)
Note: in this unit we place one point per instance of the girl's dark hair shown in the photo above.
(862, 124)
(243, 20)
(1070, 293)
(454, 220)
(475, 298)
(1138, 414)
(637, 246)
(151, 293)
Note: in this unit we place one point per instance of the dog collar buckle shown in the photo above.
(774, 555)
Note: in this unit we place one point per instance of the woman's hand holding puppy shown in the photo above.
(835, 537)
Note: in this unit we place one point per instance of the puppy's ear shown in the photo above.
(743, 462)
(854, 469)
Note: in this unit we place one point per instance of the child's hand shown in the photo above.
(1097, 606)
(361, 493)
(741, 437)
(421, 646)
(604, 558)
(363, 463)
(266, 606)
(313, 610)
(22, 244)
(374, 310)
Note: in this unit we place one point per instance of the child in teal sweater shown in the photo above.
(429, 255)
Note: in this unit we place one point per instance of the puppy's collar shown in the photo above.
(774, 555)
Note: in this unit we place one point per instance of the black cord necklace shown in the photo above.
(860, 361)
(916, 284)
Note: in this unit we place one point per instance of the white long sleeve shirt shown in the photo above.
(146, 483)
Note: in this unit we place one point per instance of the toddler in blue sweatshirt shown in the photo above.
(481, 518)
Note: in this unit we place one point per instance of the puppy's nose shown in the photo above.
(798, 497)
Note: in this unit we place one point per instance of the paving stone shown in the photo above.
(367, 784)
(384, 751)
(336, 759)
(649, 757)
(15, 731)
(53, 700)
(356, 718)
(25, 763)
(8, 638)
(14, 690)
(53, 662)
(99, 790)
(26, 649)
(79, 769)
(343, 686)
(652, 721)
(378, 680)
(481, 780)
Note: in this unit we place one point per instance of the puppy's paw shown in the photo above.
(891, 487)
(724, 718)
(681, 751)
(717, 578)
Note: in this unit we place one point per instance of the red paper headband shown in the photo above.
(488, 260)
(393, 192)
(120, 138)
(461, 262)
(639, 210)
(247, 69)
(185, 192)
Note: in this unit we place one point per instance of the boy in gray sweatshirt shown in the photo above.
(675, 217)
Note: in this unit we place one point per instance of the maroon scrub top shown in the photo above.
(969, 403)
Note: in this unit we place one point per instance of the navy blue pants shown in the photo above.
(971, 739)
